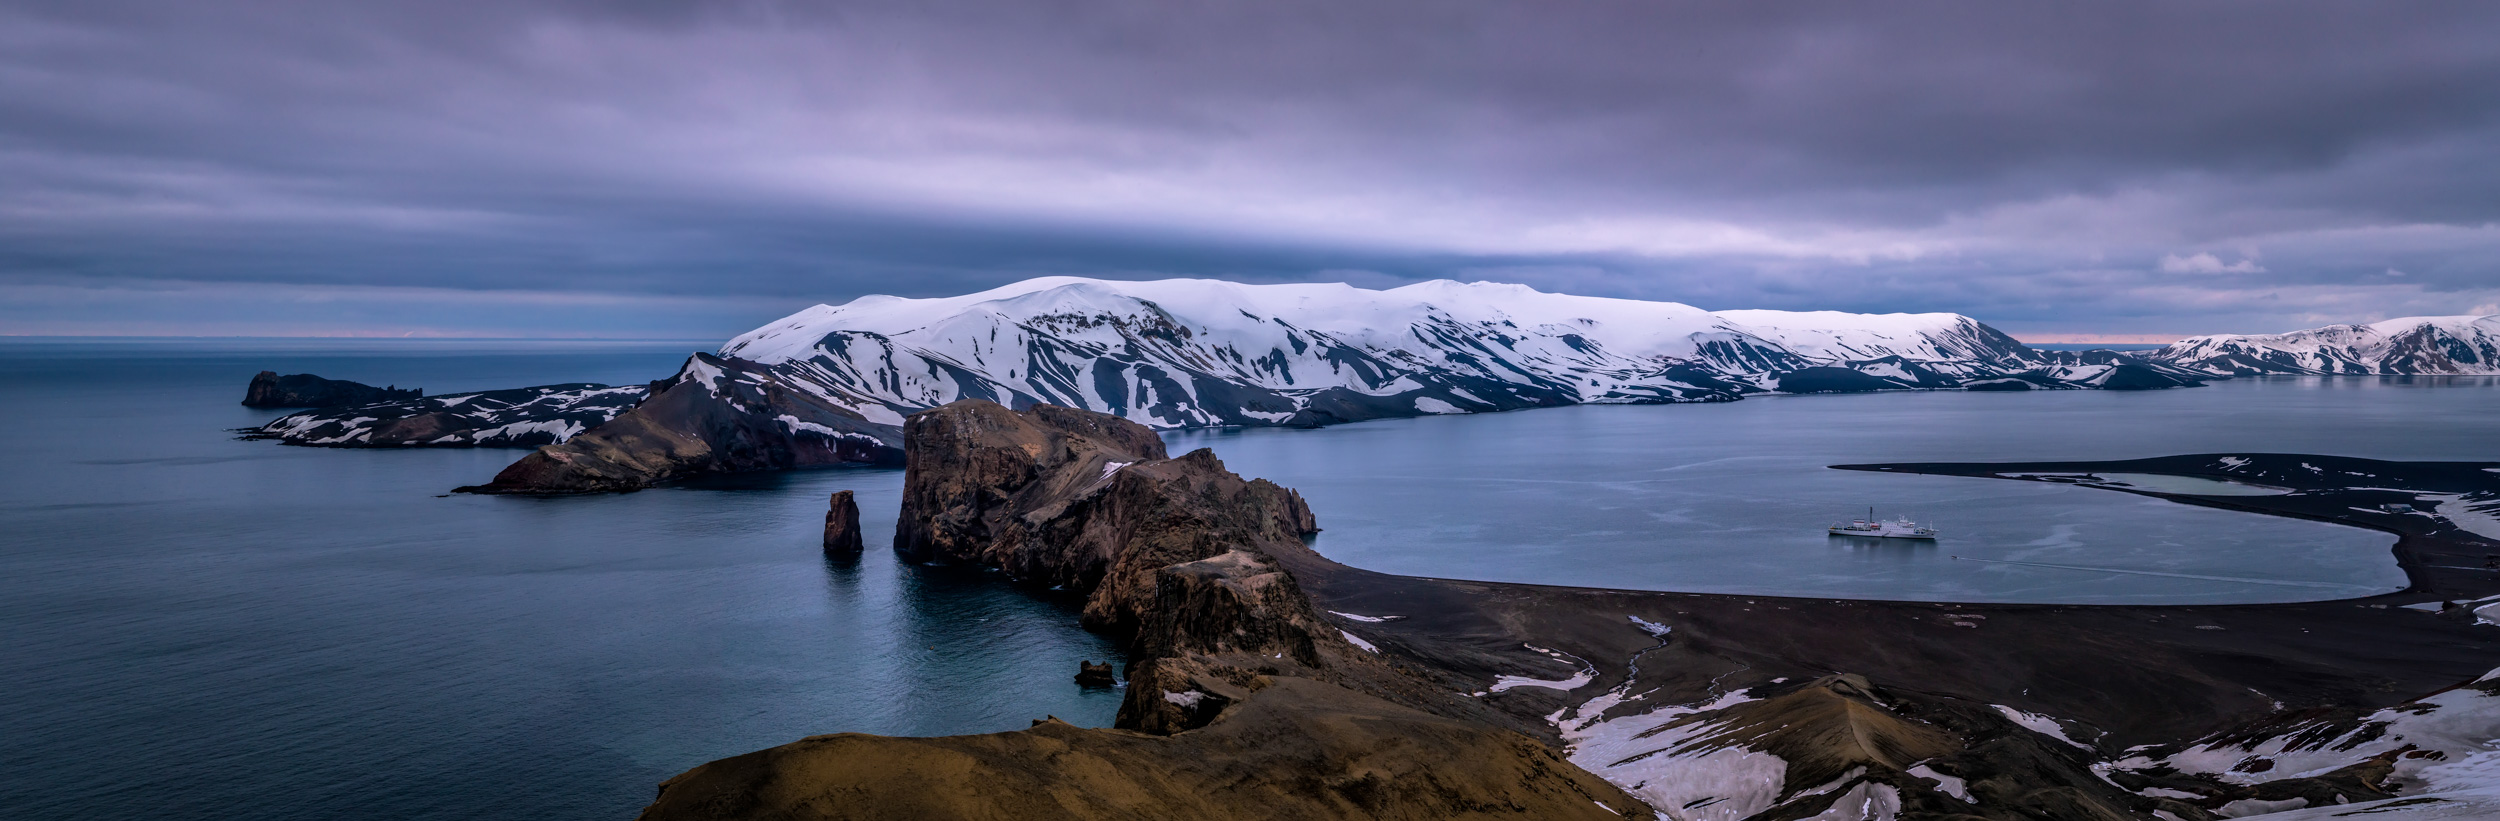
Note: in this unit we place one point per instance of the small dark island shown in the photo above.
(304, 390)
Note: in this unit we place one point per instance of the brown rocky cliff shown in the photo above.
(1078, 500)
(842, 527)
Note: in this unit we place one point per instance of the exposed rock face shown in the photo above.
(1090, 674)
(304, 390)
(842, 527)
(1297, 750)
(1241, 701)
(515, 418)
(1079, 500)
(713, 417)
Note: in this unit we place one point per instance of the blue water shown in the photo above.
(199, 626)
(1734, 497)
(202, 627)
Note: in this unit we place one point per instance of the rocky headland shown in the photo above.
(1242, 701)
(513, 418)
(304, 390)
(1268, 682)
(714, 416)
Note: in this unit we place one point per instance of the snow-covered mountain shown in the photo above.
(1179, 353)
(2412, 345)
(832, 384)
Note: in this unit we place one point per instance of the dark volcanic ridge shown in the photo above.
(513, 418)
(1269, 682)
(304, 390)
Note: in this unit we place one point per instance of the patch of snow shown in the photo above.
(1868, 801)
(1656, 756)
(1187, 699)
(2165, 792)
(1111, 468)
(1651, 627)
(2465, 516)
(2479, 804)
(1576, 681)
(2234, 462)
(1359, 642)
(2462, 725)
(1950, 785)
(2246, 807)
(1430, 405)
(2041, 724)
(1364, 619)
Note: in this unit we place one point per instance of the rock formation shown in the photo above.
(1091, 674)
(713, 417)
(1079, 500)
(1241, 701)
(842, 527)
(304, 390)
(514, 418)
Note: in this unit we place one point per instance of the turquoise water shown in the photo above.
(203, 627)
(1734, 497)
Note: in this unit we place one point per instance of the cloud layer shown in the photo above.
(662, 168)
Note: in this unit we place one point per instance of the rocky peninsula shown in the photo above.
(304, 390)
(1266, 681)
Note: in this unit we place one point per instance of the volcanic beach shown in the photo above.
(1721, 706)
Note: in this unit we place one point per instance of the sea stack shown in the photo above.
(842, 526)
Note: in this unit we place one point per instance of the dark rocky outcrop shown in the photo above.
(1091, 674)
(842, 527)
(1241, 701)
(715, 416)
(304, 390)
(1078, 500)
(514, 418)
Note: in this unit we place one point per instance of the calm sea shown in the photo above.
(199, 626)
(193, 626)
(1734, 497)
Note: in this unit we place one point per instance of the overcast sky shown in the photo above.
(666, 169)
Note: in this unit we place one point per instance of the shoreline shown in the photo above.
(2300, 654)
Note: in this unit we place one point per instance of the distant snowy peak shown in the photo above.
(1179, 353)
(2413, 345)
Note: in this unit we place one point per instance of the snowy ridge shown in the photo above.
(1185, 353)
(514, 418)
(2412, 345)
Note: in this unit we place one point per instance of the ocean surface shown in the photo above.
(1734, 497)
(197, 627)
(200, 626)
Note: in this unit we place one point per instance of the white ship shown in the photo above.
(1870, 527)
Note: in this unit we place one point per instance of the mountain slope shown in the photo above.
(2412, 345)
(1180, 353)
(1192, 353)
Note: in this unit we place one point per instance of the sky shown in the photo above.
(2111, 171)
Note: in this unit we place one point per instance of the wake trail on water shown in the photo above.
(2242, 580)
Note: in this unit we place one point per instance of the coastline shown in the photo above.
(1911, 703)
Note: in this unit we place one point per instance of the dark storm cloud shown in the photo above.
(2154, 166)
